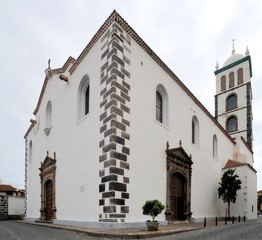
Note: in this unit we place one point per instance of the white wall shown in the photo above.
(16, 205)
(252, 194)
(149, 137)
(246, 196)
(75, 144)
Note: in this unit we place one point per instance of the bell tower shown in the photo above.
(233, 99)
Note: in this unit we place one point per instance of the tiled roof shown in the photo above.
(259, 192)
(232, 164)
(7, 188)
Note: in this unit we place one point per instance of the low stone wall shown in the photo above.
(3, 207)
(11, 207)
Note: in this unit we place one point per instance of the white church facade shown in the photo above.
(116, 127)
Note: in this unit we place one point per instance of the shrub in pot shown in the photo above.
(152, 208)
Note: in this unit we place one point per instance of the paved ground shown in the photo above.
(10, 230)
(251, 230)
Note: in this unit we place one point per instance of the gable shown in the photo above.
(69, 61)
(180, 154)
(50, 72)
(115, 17)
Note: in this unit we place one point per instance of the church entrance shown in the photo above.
(177, 197)
(178, 189)
(48, 179)
(48, 200)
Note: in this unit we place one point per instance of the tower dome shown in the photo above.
(233, 58)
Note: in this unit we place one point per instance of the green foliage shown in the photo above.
(259, 202)
(153, 208)
(259, 199)
(228, 187)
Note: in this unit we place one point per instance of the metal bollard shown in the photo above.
(226, 220)
(205, 222)
(233, 220)
(216, 220)
(239, 218)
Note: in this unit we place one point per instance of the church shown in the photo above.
(116, 127)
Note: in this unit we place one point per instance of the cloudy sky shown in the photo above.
(189, 36)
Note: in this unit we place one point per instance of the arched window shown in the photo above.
(231, 124)
(214, 146)
(83, 98)
(161, 105)
(48, 118)
(195, 131)
(240, 76)
(231, 102)
(30, 152)
(231, 80)
(223, 83)
(87, 101)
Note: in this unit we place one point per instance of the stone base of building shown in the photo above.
(102, 225)
(105, 225)
(11, 217)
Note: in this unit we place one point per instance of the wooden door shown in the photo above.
(49, 200)
(177, 197)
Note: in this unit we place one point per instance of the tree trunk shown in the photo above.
(228, 209)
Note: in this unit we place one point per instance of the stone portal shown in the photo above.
(179, 170)
(48, 179)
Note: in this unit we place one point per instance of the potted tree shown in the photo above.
(152, 208)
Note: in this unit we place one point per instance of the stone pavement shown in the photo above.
(131, 233)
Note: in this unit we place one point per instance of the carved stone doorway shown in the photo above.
(178, 189)
(48, 180)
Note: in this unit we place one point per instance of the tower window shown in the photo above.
(159, 107)
(231, 80)
(240, 76)
(231, 102)
(232, 124)
(223, 83)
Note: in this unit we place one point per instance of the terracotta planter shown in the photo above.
(152, 226)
